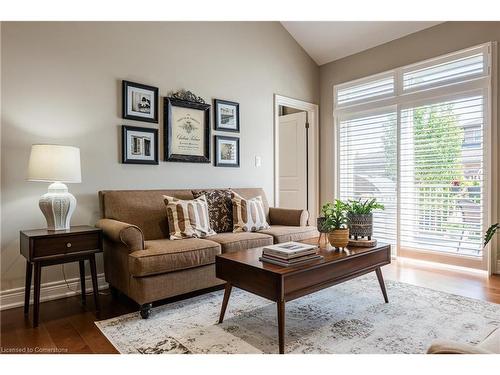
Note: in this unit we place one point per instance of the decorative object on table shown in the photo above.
(139, 102)
(248, 214)
(290, 254)
(139, 145)
(227, 151)
(360, 221)
(322, 228)
(56, 164)
(186, 129)
(227, 115)
(335, 214)
(42, 247)
(490, 233)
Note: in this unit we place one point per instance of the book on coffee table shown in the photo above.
(289, 250)
(291, 262)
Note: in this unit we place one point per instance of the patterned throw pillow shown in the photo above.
(220, 208)
(188, 218)
(248, 214)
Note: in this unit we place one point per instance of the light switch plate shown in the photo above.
(258, 161)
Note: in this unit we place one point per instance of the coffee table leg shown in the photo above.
(227, 293)
(281, 325)
(378, 271)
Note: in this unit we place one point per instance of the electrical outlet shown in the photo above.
(258, 161)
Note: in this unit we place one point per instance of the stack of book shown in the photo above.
(290, 254)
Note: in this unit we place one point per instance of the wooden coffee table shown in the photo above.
(244, 270)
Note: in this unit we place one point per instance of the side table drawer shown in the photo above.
(65, 244)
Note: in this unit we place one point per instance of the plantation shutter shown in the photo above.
(367, 166)
(442, 179)
(416, 138)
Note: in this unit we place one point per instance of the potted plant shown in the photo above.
(336, 223)
(360, 217)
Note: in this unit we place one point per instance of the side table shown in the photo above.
(42, 247)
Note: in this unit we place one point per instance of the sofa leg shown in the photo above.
(145, 310)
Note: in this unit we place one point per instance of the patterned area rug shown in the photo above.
(346, 318)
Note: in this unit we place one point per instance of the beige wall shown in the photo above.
(432, 42)
(61, 84)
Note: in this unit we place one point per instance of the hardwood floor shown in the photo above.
(68, 327)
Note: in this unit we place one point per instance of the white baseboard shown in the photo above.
(498, 267)
(12, 298)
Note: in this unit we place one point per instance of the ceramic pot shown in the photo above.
(360, 225)
(339, 237)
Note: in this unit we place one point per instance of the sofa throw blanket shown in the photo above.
(188, 218)
(248, 214)
(220, 208)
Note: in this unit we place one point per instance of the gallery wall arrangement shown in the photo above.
(186, 127)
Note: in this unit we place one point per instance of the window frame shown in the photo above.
(401, 99)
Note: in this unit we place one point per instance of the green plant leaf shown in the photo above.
(490, 233)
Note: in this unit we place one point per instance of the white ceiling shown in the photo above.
(332, 40)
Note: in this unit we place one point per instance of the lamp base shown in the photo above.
(57, 206)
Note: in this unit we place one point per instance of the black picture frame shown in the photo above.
(218, 125)
(126, 114)
(125, 157)
(217, 163)
(169, 155)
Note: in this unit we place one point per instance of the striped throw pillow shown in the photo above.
(188, 218)
(248, 214)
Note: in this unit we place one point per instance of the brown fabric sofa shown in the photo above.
(141, 262)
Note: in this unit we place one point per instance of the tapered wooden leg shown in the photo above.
(281, 326)
(378, 271)
(95, 287)
(36, 302)
(227, 293)
(27, 288)
(82, 281)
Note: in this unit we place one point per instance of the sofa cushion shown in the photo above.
(282, 233)
(231, 242)
(249, 193)
(188, 218)
(220, 208)
(248, 214)
(161, 256)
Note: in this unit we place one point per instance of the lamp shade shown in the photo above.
(54, 163)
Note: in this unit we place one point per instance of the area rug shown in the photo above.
(347, 318)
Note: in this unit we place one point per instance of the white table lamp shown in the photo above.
(56, 164)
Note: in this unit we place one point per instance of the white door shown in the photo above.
(293, 161)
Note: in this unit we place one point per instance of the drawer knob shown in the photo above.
(68, 245)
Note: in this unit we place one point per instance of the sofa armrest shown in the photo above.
(118, 231)
(289, 217)
(452, 347)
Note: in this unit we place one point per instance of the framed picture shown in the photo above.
(227, 151)
(139, 102)
(186, 131)
(227, 115)
(139, 145)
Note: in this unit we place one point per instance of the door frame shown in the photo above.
(313, 154)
